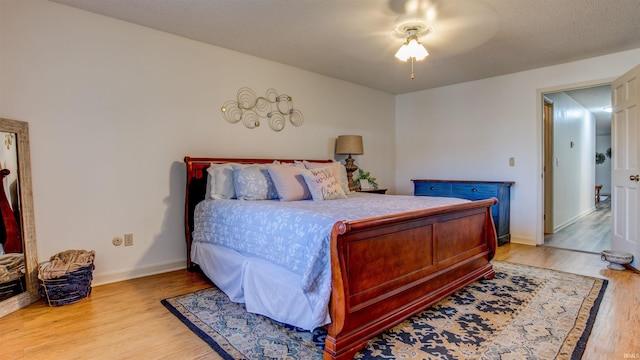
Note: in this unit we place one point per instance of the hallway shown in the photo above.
(591, 233)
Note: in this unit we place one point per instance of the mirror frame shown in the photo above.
(27, 224)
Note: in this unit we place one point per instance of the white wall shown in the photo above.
(603, 171)
(574, 160)
(469, 131)
(113, 108)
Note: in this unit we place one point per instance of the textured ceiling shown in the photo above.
(353, 40)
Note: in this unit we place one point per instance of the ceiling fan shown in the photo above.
(446, 27)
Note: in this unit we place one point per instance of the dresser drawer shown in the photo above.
(475, 191)
(432, 189)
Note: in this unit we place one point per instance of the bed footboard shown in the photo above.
(389, 268)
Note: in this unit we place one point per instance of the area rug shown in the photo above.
(523, 313)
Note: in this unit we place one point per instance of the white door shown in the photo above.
(625, 169)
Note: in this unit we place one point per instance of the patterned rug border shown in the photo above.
(225, 350)
(193, 327)
(581, 344)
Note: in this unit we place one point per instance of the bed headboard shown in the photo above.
(197, 185)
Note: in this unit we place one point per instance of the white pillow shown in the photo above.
(289, 182)
(340, 172)
(323, 184)
(210, 181)
(221, 181)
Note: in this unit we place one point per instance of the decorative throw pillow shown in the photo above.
(323, 184)
(344, 179)
(289, 182)
(340, 172)
(253, 183)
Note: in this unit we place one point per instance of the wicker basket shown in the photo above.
(68, 288)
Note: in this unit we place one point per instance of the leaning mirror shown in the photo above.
(18, 250)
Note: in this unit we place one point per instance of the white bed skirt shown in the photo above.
(263, 287)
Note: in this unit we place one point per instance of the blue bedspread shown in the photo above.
(295, 235)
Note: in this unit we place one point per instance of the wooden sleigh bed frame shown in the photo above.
(385, 269)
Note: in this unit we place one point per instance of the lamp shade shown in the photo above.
(349, 145)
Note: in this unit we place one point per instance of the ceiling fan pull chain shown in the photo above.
(412, 76)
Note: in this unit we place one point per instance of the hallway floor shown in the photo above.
(592, 233)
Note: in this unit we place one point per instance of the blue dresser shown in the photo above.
(474, 190)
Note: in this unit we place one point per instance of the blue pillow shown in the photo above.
(253, 183)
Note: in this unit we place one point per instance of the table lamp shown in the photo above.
(349, 145)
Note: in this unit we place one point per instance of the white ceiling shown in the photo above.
(354, 40)
(596, 99)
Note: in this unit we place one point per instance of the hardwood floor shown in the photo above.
(591, 233)
(617, 328)
(125, 320)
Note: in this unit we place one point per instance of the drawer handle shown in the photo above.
(432, 188)
(474, 189)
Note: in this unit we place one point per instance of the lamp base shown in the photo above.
(350, 167)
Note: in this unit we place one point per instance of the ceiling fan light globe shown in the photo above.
(403, 53)
(416, 50)
(421, 57)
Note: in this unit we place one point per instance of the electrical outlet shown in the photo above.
(128, 239)
(117, 241)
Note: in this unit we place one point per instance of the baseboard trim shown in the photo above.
(108, 278)
(523, 241)
(571, 221)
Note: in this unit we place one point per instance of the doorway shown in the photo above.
(577, 134)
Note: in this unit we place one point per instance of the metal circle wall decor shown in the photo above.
(249, 109)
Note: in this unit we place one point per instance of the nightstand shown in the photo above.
(374, 191)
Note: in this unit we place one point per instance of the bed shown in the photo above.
(380, 269)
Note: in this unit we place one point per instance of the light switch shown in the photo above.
(512, 161)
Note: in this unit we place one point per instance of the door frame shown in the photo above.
(540, 93)
(547, 169)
